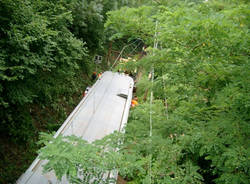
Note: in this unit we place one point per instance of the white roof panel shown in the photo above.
(100, 113)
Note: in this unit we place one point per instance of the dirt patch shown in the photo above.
(120, 180)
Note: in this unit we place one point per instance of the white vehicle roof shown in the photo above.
(102, 111)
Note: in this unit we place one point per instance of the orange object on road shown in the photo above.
(134, 102)
(99, 75)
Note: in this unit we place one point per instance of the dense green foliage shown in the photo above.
(65, 157)
(202, 69)
(39, 57)
(40, 61)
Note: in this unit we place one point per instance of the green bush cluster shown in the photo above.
(40, 59)
(202, 75)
